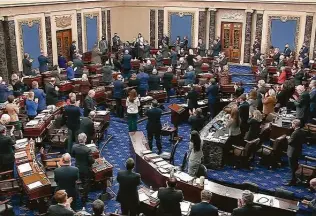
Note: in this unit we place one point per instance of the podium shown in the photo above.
(178, 114)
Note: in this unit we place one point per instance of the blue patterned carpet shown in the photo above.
(242, 74)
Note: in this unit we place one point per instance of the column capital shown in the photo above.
(212, 9)
(260, 11)
(309, 14)
(103, 9)
(1, 18)
(47, 14)
(249, 11)
(78, 10)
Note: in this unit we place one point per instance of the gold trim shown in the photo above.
(90, 15)
(283, 18)
(181, 14)
(30, 22)
(63, 21)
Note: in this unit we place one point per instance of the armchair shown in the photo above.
(244, 155)
(307, 171)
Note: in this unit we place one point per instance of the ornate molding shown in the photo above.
(63, 21)
(260, 11)
(233, 15)
(212, 9)
(248, 11)
(91, 15)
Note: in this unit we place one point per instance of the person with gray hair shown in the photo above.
(204, 208)
(27, 63)
(246, 206)
(89, 103)
(84, 160)
(294, 149)
(5, 119)
(126, 64)
(148, 67)
(98, 207)
(51, 92)
(302, 104)
(87, 126)
(311, 204)
(189, 76)
(154, 81)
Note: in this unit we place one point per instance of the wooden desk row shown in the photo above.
(225, 198)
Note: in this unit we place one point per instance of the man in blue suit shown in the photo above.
(212, 96)
(43, 61)
(204, 208)
(3, 91)
(287, 51)
(118, 91)
(143, 83)
(40, 95)
(189, 76)
(303, 50)
(126, 62)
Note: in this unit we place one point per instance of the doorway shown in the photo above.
(231, 37)
(64, 39)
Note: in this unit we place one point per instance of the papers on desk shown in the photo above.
(35, 185)
(183, 176)
(183, 105)
(102, 112)
(24, 168)
(21, 154)
(161, 163)
(32, 123)
(40, 116)
(154, 195)
(185, 207)
(21, 141)
(201, 102)
(146, 98)
(92, 145)
(143, 197)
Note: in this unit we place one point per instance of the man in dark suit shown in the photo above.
(72, 51)
(89, 103)
(3, 91)
(170, 199)
(98, 208)
(243, 114)
(27, 65)
(312, 95)
(118, 92)
(72, 118)
(87, 126)
(84, 160)
(43, 61)
(302, 104)
(66, 177)
(311, 204)
(63, 205)
(6, 149)
(287, 51)
(127, 194)
(126, 63)
(204, 208)
(256, 45)
(154, 126)
(303, 50)
(167, 82)
(294, 149)
(51, 92)
(154, 81)
(212, 96)
(246, 206)
(148, 67)
(196, 120)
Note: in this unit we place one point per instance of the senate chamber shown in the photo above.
(158, 108)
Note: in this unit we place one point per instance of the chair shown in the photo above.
(250, 186)
(244, 154)
(265, 133)
(311, 132)
(10, 186)
(169, 156)
(57, 136)
(6, 209)
(306, 172)
(272, 155)
(201, 171)
(47, 162)
(284, 194)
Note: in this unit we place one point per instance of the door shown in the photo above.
(64, 42)
(231, 35)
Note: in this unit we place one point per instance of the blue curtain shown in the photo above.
(282, 33)
(91, 32)
(31, 42)
(181, 26)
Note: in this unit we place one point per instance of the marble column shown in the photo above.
(11, 49)
(160, 24)
(3, 57)
(259, 26)
(202, 25)
(108, 26)
(49, 40)
(103, 16)
(308, 29)
(212, 26)
(247, 48)
(79, 31)
(152, 30)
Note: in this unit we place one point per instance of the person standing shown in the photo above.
(51, 92)
(201, 48)
(43, 61)
(118, 92)
(260, 94)
(84, 160)
(66, 177)
(302, 104)
(170, 199)
(212, 96)
(246, 205)
(63, 205)
(13, 110)
(269, 101)
(196, 119)
(103, 47)
(154, 126)
(127, 194)
(254, 126)
(132, 104)
(107, 77)
(89, 103)
(243, 114)
(143, 83)
(204, 208)
(116, 42)
(70, 71)
(78, 65)
(3, 91)
(31, 105)
(73, 49)
(126, 62)
(312, 95)
(27, 65)
(87, 126)
(154, 81)
(6, 149)
(192, 98)
(167, 82)
(195, 153)
(294, 149)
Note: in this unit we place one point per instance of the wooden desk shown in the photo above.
(102, 170)
(27, 80)
(65, 86)
(159, 95)
(95, 80)
(135, 64)
(100, 95)
(38, 192)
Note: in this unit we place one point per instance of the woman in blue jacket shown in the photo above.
(70, 71)
(31, 105)
(40, 95)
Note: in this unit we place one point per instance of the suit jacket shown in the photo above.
(276, 57)
(212, 93)
(196, 122)
(312, 96)
(148, 69)
(298, 77)
(88, 105)
(6, 149)
(107, 74)
(87, 127)
(189, 77)
(3, 93)
(78, 63)
(43, 61)
(118, 89)
(287, 52)
(167, 80)
(103, 46)
(303, 50)
(282, 98)
(254, 129)
(62, 62)
(203, 209)
(170, 199)
(154, 115)
(65, 178)
(244, 111)
(126, 61)
(72, 51)
(192, 99)
(27, 67)
(247, 210)
(302, 105)
(294, 148)
(305, 62)
(154, 82)
(174, 57)
(143, 81)
(59, 210)
(72, 114)
(51, 94)
(70, 73)
(41, 96)
(146, 53)
(83, 157)
(128, 182)
(217, 48)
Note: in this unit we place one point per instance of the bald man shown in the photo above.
(66, 176)
(311, 204)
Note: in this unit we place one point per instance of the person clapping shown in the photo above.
(31, 105)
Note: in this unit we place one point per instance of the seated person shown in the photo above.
(246, 205)
(204, 208)
(311, 204)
